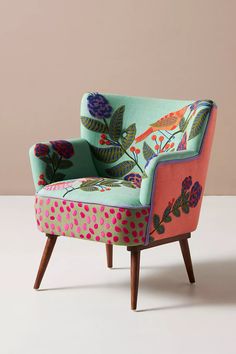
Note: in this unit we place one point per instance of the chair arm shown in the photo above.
(147, 183)
(60, 160)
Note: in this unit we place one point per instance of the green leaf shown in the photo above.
(198, 123)
(160, 229)
(65, 164)
(59, 177)
(108, 155)
(177, 203)
(45, 159)
(128, 136)
(121, 169)
(128, 184)
(182, 124)
(185, 208)
(55, 158)
(167, 211)
(49, 172)
(116, 123)
(89, 183)
(89, 189)
(176, 212)
(167, 219)
(156, 221)
(147, 151)
(94, 125)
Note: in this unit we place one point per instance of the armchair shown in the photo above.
(135, 178)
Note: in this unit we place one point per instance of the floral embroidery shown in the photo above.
(112, 134)
(92, 184)
(41, 150)
(63, 148)
(135, 178)
(187, 199)
(56, 160)
(99, 106)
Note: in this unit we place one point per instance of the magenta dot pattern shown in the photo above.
(111, 225)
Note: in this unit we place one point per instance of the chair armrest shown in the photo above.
(60, 160)
(148, 182)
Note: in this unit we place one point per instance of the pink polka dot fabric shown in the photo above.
(120, 226)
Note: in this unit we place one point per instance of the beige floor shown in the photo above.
(83, 307)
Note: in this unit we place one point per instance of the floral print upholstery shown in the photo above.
(116, 169)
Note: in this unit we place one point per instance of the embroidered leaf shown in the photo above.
(198, 123)
(128, 184)
(116, 123)
(65, 164)
(176, 212)
(49, 172)
(177, 203)
(55, 158)
(167, 219)
(185, 208)
(160, 229)
(94, 125)
(167, 211)
(147, 151)
(111, 154)
(156, 221)
(89, 189)
(59, 177)
(121, 169)
(182, 124)
(90, 182)
(128, 136)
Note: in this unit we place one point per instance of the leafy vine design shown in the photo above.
(188, 199)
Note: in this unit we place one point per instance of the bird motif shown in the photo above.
(168, 122)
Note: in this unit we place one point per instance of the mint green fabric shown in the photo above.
(148, 183)
(104, 191)
(138, 110)
(79, 165)
(143, 112)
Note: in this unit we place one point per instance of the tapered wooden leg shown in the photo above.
(45, 259)
(187, 259)
(134, 281)
(109, 251)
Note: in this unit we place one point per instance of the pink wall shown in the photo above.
(52, 51)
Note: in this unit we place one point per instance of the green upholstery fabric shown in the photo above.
(79, 164)
(104, 191)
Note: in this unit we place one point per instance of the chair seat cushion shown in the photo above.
(99, 209)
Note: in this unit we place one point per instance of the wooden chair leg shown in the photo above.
(45, 259)
(109, 251)
(134, 274)
(187, 259)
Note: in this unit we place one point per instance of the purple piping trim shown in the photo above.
(197, 156)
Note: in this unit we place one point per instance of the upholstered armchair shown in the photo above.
(135, 178)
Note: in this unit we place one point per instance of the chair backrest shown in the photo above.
(125, 133)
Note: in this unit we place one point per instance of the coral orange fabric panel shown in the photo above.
(178, 190)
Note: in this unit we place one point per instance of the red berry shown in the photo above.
(172, 145)
(101, 142)
(132, 149)
(41, 176)
(107, 142)
(103, 136)
(167, 146)
(40, 183)
(137, 151)
(161, 138)
(154, 137)
(156, 147)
